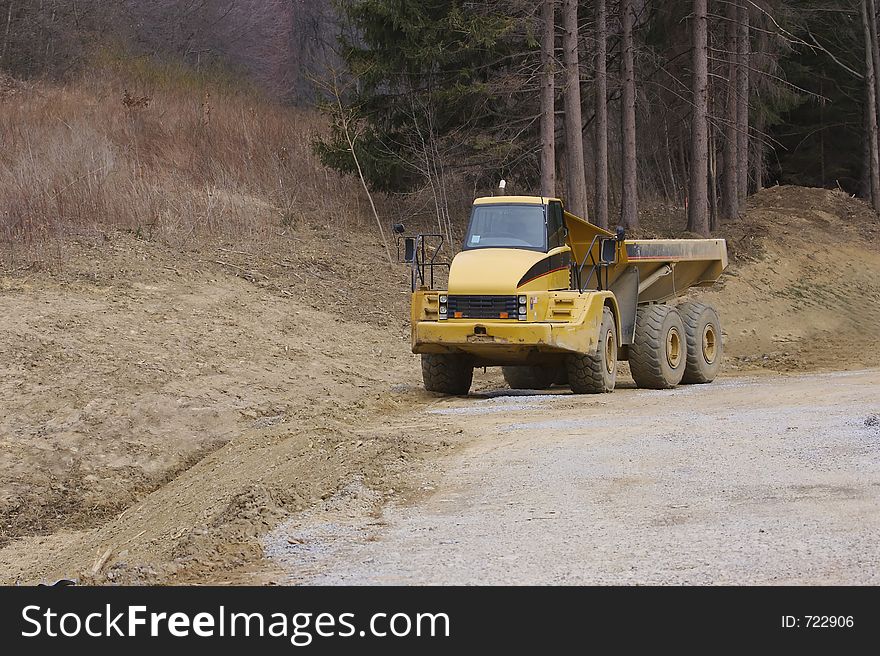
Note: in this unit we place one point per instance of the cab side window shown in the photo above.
(555, 225)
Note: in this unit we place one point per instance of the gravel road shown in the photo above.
(749, 480)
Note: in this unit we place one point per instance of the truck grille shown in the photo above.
(482, 307)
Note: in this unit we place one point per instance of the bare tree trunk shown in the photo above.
(548, 104)
(713, 179)
(866, 183)
(601, 90)
(875, 51)
(871, 118)
(730, 190)
(716, 99)
(822, 130)
(675, 198)
(742, 81)
(629, 202)
(757, 161)
(6, 35)
(759, 143)
(698, 201)
(576, 175)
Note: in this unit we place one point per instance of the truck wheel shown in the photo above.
(658, 354)
(596, 373)
(561, 375)
(447, 373)
(702, 330)
(529, 377)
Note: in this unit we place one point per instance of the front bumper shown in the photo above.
(464, 333)
(574, 328)
(498, 342)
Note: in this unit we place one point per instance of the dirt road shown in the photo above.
(769, 479)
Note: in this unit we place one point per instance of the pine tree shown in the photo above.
(433, 78)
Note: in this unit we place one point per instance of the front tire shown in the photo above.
(447, 373)
(702, 329)
(529, 377)
(596, 373)
(658, 354)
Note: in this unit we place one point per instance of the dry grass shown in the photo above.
(163, 153)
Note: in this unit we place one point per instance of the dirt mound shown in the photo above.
(803, 290)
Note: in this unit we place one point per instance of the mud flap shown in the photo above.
(626, 291)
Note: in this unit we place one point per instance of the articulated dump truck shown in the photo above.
(553, 299)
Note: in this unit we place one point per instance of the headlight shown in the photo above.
(443, 298)
(442, 309)
(522, 309)
(522, 300)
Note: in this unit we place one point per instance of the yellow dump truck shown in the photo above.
(553, 299)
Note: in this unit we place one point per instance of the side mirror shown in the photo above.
(621, 233)
(398, 229)
(608, 251)
(409, 249)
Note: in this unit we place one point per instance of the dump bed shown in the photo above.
(667, 267)
(663, 268)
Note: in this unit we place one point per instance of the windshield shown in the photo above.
(507, 226)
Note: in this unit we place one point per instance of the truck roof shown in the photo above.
(522, 200)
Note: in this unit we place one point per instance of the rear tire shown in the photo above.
(561, 375)
(447, 373)
(596, 373)
(529, 377)
(702, 329)
(658, 354)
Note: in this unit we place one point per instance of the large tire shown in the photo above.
(595, 373)
(702, 328)
(447, 373)
(562, 375)
(658, 354)
(529, 377)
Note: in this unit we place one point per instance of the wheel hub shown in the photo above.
(610, 352)
(673, 348)
(710, 344)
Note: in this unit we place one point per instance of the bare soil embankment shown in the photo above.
(803, 290)
(161, 410)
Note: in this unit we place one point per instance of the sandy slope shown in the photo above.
(806, 294)
(131, 365)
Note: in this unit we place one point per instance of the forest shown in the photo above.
(609, 104)
(617, 106)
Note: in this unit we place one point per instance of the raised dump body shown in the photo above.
(666, 266)
(553, 298)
